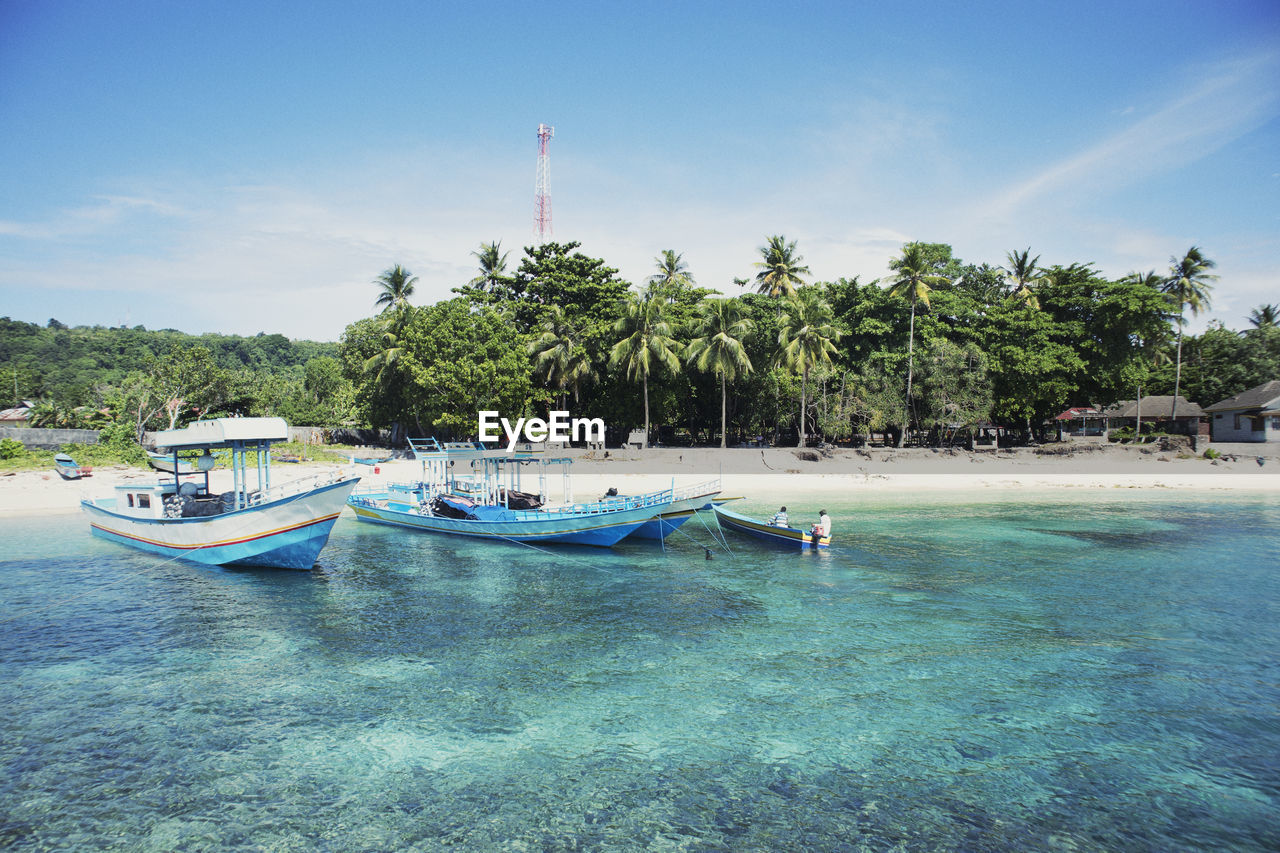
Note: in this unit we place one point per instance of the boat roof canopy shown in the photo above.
(223, 432)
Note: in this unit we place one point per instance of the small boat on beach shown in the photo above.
(468, 490)
(785, 537)
(169, 462)
(264, 524)
(68, 469)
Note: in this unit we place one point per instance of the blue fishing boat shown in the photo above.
(786, 537)
(467, 490)
(170, 462)
(685, 502)
(263, 524)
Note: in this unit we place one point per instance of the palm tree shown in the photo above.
(395, 286)
(913, 284)
(1264, 316)
(493, 265)
(1189, 286)
(806, 339)
(648, 342)
(1023, 274)
(559, 356)
(721, 330)
(781, 270)
(673, 274)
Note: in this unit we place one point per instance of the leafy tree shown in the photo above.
(954, 389)
(648, 342)
(1023, 275)
(559, 358)
(718, 348)
(781, 269)
(1264, 316)
(395, 286)
(493, 267)
(1188, 285)
(912, 283)
(672, 276)
(806, 338)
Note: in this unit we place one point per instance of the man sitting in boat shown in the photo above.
(823, 527)
(779, 518)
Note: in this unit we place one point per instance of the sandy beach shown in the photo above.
(783, 472)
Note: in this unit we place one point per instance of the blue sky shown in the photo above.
(244, 167)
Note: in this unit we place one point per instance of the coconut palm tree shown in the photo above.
(1264, 316)
(673, 274)
(559, 356)
(493, 265)
(718, 348)
(806, 339)
(1188, 285)
(781, 269)
(913, 283)
(1023, 275)
(395, 286)
(648, 342)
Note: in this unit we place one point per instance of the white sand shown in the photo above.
(780, 473)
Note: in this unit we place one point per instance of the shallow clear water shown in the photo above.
(1094, 673)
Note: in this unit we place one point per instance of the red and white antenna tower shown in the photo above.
(542, 191)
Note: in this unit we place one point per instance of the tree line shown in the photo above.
(933, 351)
(137, 379)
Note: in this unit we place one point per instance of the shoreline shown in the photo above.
(767, 474)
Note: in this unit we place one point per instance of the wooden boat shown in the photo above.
(68, 469)
(685, 502)
(467, 490)
(169, 462)
(283, 526)
(787, 537)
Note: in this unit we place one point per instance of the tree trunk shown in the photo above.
(1177, 376)
(1138, 432)
(724, 429)
(911, 344)
(646, 413)
(804, 377)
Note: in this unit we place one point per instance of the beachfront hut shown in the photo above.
(1158, 411)
(1252, 415)
(1080, 420)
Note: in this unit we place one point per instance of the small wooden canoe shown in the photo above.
(68, 469)
(785, 537)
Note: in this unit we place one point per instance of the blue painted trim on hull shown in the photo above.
(605, 535)
(661, 528)
(297, 548)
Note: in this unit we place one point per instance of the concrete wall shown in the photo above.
(1224, 428)
(36, 438)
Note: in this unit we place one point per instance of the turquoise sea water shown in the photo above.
(1086, 674)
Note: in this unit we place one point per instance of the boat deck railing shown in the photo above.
(295, 487)
(693, 491)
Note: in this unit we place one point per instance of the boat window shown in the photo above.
(144, 501)
(130, 497)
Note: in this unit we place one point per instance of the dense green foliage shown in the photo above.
(942, 347)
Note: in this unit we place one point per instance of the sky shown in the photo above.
(246, 167)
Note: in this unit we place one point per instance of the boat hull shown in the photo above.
(605, 528)
(669, 520)
(792, 538)
(288, 533)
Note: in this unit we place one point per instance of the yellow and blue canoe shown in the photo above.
(785, 537)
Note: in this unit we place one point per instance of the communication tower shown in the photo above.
(542, 191)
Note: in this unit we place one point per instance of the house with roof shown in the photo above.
(1158, 410)
(1252, 415)
(1079, 420)
(18, 416)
